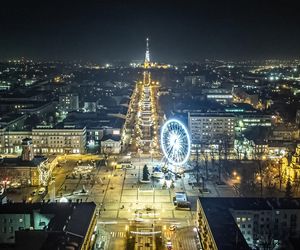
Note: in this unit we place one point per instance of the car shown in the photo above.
(172, 227)
(157, 174)
(15, 184)
(42, 190)
(138, 219)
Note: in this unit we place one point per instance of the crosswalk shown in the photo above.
(118, 234)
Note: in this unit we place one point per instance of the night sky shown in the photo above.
(104, 31)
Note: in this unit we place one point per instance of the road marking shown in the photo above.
(118, 234)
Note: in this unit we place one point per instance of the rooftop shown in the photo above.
(223, 225)
(69, 222)
(111, 137)
(18, 162)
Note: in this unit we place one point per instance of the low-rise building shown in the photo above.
(46, 140)
(48, 225)
(285, 133)
(292, 171)
(65, 140)
(11, 141)
(111, 144)
(27, 170)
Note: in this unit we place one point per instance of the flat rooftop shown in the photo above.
(69, 222)
(226, 233)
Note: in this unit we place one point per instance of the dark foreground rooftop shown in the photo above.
(226, 233)
(69, 224)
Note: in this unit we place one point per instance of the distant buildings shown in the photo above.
(79, 132)
(68, 102)
(247, 223)
(47, 225)
(220, 95)
(90, 106)
(195, 81)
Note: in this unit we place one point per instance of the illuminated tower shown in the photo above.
(147, 55)
(147, 75)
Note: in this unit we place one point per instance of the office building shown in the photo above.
(65, 140)
(247, 223)
(211, 128)
(68, 102)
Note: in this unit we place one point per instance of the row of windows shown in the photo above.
(55, 134)
(57, 142)
(10, 220)
(243, 219)
(4, 230)
(210, 119)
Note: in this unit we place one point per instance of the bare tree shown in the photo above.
(197, 168)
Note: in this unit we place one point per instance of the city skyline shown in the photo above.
(151, 126)
(108, 31)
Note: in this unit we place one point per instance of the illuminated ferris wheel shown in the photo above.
(175, 142)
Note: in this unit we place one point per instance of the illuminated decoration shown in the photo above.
(175, 142)
(44, 174)
(63, 200)
(147, 55)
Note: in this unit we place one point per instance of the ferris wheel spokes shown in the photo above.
(175, 142)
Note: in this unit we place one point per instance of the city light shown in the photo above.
(186, 138)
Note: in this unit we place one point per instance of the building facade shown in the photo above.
(68, 102)
(211, 128)
(51, 225)
(111, 144)
(247, 223)
(67, 140)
